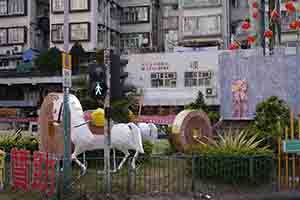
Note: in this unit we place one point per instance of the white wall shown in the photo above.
(177, 62)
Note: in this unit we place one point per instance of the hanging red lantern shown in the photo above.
(245, 25)
(295, 25)
(290, 7)
(251, 39)
(254, 4)
(274, 15)
(268, 34)
(233, 46)
(255, 15)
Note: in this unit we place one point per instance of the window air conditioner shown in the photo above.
(17, 49)
(211, 92)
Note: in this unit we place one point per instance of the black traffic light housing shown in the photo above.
(97, 73)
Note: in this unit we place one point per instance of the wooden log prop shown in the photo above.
(51, 136)
(190, 127)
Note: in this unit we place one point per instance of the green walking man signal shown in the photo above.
(98, 89)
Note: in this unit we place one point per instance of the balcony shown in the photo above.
(201, 3)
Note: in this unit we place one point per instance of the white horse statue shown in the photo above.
(124, 137)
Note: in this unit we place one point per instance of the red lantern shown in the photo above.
(251, 39)
(290, 7)
(268, 34)
(255, 15)
(274, 15)
(233, 46)
(295, 25)
(254, 4)
(245, 25)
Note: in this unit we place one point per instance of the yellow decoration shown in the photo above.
(131, 116)
(2, 157)
(98, 117)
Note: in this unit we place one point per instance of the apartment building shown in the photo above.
(239, 10)
(24, 31)
(23, 26)
(193, 23)
(87, 23)
(140, 28)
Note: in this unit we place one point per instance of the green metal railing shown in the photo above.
(167, 174)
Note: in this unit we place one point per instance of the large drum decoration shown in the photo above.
(190, 127)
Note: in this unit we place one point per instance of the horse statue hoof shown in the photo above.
(83, 171)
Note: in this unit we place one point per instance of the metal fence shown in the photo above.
(216, 176)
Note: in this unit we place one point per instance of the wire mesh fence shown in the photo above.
(160, 174)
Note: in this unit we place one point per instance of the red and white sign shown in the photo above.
(160, 120)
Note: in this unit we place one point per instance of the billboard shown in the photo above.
(248, 77)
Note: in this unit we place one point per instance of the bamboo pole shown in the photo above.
(293, 157)
(279, 162)
(286, 161)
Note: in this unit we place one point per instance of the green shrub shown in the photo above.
(10, 141)
(235, 169)
(272, 115)
(234, 158)
(148, 148)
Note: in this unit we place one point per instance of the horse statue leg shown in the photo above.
(83, 168)
(115, 164)
(127, 154)
(134, 159)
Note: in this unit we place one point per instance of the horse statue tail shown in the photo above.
(137, 137)
(154, 131)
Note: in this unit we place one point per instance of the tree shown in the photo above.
(198, 104)
(78, 56)
(272, 115)
(50, 61)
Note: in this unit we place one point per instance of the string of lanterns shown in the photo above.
(274, 18)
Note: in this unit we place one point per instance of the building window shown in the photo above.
(170, 23)
(235, 3)
(194, 79)
(79, 5)
(57, 31)
(58, 5)
(16, 35)
(133, 15)
(3, 36)
(135, 40)
(79, 32)
(12, 7)
(4, 63)
(202, 25)
(163, 80)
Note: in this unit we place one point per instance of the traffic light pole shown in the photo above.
(66, 114)
(107, 102)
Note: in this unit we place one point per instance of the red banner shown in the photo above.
(20, 169)
(44, 171)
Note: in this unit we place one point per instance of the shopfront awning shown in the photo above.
(160, 120)
(18, 120)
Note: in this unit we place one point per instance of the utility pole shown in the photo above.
(262, 31)
(66, 109)
(227, 22)
(107, 101)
